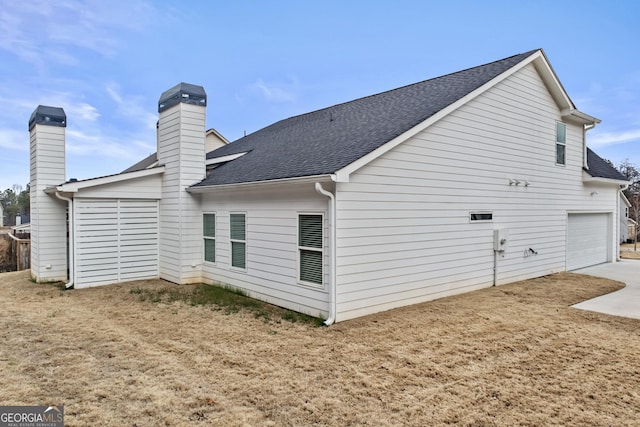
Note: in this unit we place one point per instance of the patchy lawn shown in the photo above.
(627, 251)
(511, 355)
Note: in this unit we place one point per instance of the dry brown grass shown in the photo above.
(5, 262)
(511, 355)
(629, 253)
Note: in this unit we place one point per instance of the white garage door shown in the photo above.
(115, 240)
(588, 240)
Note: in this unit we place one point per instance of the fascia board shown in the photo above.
(579, 117)
(296, 180)
(74, 187)
(588, 178)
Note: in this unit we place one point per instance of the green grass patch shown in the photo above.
(229, 300)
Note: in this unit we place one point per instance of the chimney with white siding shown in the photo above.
(48, 214)
(181, 149)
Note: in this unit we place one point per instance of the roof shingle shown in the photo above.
(325, 141)
(600, 168)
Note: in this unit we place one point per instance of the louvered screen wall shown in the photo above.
(116, 240)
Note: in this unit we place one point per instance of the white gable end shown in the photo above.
(405, 233)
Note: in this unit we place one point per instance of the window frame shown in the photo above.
(562, 144)
(210, 238)
(232, 241)
(474, 221)
(300, 249)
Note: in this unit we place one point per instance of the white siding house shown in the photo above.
(114, 228)
(624, 209)
(473, 179)
(405, 218)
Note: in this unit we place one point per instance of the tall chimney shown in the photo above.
(48, 214)
(181, 145)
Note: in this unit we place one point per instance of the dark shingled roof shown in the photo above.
(325, 141)
(142, 164)
(600, 168)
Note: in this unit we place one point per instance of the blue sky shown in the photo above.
(107, 62)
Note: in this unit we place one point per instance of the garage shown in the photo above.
(588, 240)
(115, 240)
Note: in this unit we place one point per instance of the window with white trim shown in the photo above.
(238, 239)
(483, 216)
(310, 249)
(209, 235)
(561, 143)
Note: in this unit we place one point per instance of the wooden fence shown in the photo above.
(19, 253)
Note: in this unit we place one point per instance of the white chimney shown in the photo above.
(181, 149)
(48, 214)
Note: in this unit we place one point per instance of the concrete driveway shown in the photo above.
(626, 301)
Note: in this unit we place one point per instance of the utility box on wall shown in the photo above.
(500, 239)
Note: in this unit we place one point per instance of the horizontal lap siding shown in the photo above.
(181, 135)
(403, 232)
(115, 241)
(48, 217)
(272, 254)
(138, 239)
(147, 187)
(96, 242)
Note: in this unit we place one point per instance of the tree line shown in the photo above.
(632, 193)
(15, 201)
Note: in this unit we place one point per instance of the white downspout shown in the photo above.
(71, 266)
(332, 253)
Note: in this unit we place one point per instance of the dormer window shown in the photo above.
(561, 143)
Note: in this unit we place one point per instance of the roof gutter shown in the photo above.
(69, 284)
(296, 180)
(586, 177)
(75, 186)
(572, 114)
(332, 256)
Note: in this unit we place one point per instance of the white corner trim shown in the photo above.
(344, 173)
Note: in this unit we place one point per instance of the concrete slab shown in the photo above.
(626, 301)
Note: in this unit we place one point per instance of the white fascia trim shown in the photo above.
(552, 82)
(73, 187)
(296, 180)
(343, 174)
(572, 114)
(588, 178)
(224, 159)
